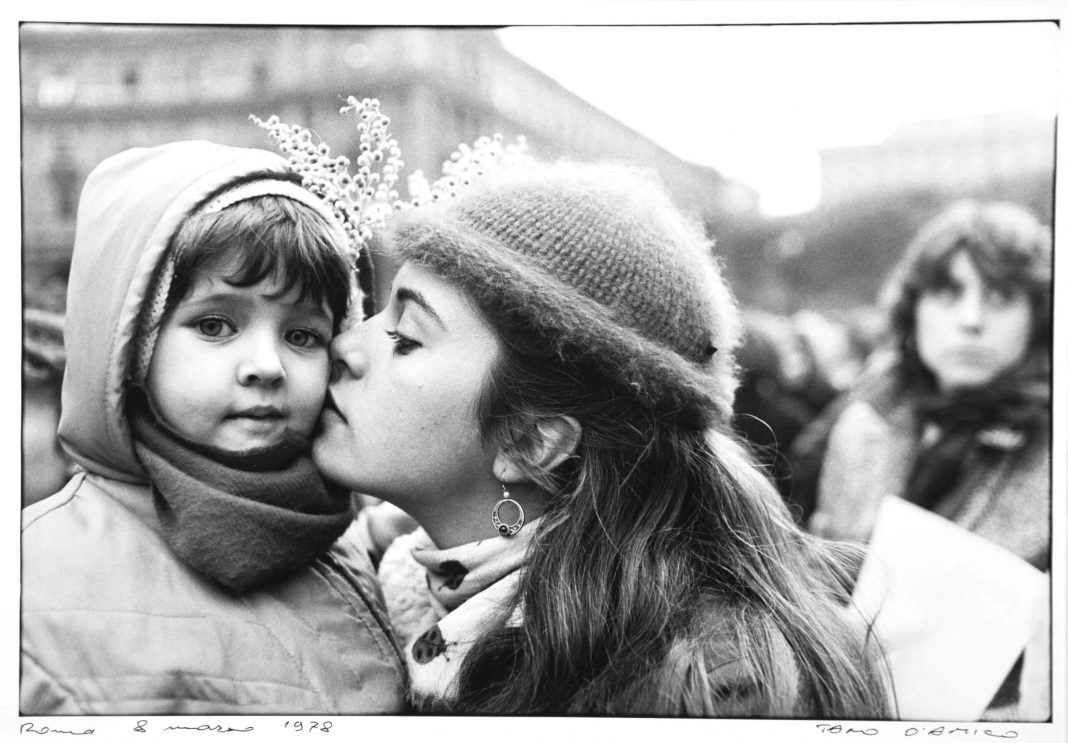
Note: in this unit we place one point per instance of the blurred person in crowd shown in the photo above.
(548, 391)
(791, 368)
(198, 563)
(45, 467)
(769, 410)
(955, 417)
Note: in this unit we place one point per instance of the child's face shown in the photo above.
(234, 367)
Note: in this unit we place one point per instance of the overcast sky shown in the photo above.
(757, 102)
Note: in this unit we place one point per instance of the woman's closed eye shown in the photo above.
(214, 327)
(402, 344)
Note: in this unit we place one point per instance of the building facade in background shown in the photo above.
(89, 92)
(991, 152)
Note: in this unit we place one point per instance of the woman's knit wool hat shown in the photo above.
(599, 261)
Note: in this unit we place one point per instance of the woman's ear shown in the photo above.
(551, 441)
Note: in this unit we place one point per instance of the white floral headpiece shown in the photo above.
(364, 200)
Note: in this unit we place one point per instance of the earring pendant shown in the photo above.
(507, 530)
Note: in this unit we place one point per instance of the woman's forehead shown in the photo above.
(414, 282)
(962, 267)
(443, 301)
(968, 264)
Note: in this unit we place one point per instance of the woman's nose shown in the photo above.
(262, 366)
(347, 354)
(971, 310)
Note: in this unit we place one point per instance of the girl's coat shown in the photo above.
(112, 622)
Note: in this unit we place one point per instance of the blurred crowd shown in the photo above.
(793, 367)
(45, 467)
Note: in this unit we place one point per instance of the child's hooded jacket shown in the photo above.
(112, 622)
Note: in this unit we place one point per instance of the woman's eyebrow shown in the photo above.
(406, 294)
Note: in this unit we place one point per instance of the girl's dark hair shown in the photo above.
(1011, 250)
(269, 236)
(667, 577)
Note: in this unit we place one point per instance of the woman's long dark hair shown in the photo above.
(667, 577)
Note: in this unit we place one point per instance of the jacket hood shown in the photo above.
(131, 205)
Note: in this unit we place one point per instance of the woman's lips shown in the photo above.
(330, 409)
(969, 355)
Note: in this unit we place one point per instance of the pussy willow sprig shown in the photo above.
(363, 200)
(466, 165)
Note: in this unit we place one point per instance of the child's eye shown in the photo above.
(402, 344)
(214, 327)
(305, 338)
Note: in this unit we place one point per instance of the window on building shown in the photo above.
(357, 56)
(65, 179)
(57, 89)
(471, 69)
(261, 75)
(131, 80)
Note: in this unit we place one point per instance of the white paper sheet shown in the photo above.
(952, 611)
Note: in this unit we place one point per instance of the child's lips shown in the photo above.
(264, 413)
(260, 425)
(260, 421)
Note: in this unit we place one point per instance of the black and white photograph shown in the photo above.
(537, 374)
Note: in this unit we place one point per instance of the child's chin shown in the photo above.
(246, 441)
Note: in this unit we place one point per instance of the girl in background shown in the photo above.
(955, 418)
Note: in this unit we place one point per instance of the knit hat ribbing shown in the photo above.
(599, 259)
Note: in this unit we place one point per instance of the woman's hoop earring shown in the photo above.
(507, 530)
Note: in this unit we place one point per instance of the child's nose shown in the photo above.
(347, 355)
(262, 366)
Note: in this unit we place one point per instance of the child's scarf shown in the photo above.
(243, 518)
(442, 600)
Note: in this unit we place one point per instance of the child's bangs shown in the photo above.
(271, 256)
(267, 237)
